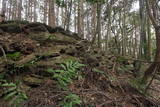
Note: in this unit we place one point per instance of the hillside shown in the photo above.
(34, 59)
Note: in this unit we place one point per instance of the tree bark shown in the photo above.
(52, 18)
(80, 18)
(19, 9)
(156, 64)
(143, 43)
(152, 12)
(99, 23)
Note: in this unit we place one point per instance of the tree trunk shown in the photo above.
(152, 9)
(149, 39)
(156, 64)
(19, 9)
(108, 27)
(99, 23)
(45, 11)
(52, 18)
(143, 41)
(35, 13)
(69, 14)
(93, 24)
(3, 6)
(80, 18)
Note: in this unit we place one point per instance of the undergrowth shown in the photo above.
(65, 77)
(71, 100)
(137, 84)
(14, 56)
(12, 92)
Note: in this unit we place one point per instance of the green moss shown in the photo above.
(11, 28)
(14, 56)
(16, 21)
(60, 38)
(138, 84)
(39, 37)
(32, 80)
(65, 58)
(38, 29)
(34, 24)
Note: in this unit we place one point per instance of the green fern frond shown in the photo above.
(67, 74)
(8, 85)
(71, 100)
(13, 94)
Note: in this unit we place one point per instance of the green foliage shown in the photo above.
(125, 68)
(121, 59)
(51, 37)
(14, 56)
(125, 65)
(33, 62)
(14, 69)
(98, 71)
(138, 84)
(13, 93)
(2, 80)
(60, 3)
(71, 100)
(67, 74)
(95, 1)
(110, 77)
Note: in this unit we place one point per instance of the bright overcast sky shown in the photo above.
(135, 6)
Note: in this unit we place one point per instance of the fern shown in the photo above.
(98, 71)
(13, 94)
(2, 80)
(71, 100)
(67, 74)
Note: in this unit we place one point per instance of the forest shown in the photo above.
(79, 53)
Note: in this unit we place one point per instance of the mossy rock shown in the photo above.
(33, 24)
(16, 21)
(60, 38)
(38, 29)
(43, 36)
(32, 80)
(91, 59)
(71, 50)
(56, 60)
(49, 28)
(65, 58)
(49, 50)
(11, 28)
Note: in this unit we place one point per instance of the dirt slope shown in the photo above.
(30, 49)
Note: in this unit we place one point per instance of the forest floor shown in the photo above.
(30, 50)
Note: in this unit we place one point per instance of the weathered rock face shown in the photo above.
(47, 46)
